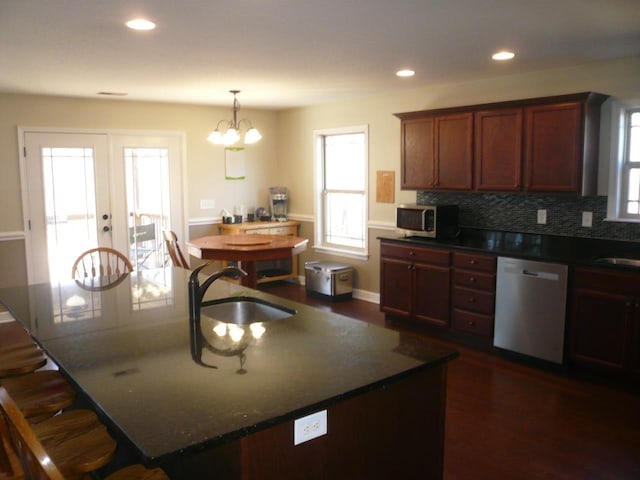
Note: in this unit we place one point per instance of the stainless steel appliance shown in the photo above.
(333, 280)
(530, 308)
(433, 221)
(278, 200)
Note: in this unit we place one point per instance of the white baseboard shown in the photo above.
(365, 295)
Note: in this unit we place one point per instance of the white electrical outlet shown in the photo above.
(310, 427)
(207, 204)
(542, 216)
(587, 219)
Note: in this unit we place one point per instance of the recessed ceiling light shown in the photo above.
(141, 24)
(405, 73)
(503, 55)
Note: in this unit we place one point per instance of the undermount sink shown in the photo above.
(244, 310)
(630, 262)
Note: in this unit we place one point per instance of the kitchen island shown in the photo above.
(230, 413)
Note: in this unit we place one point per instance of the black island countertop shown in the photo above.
(551, 248)
(129, 350)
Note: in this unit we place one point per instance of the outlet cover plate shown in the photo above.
(542, 216)
(587, 219)
(309, 427)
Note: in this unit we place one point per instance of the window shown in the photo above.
(630, 198)
(341, 190)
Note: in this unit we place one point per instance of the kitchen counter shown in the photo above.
(551, 248)
(129, 351)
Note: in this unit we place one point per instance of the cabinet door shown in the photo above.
(432, 294)
(417, 154)
(553, 156)
(600, 331)
(498, 150)
(635, 348)
(395, 286)
(453, 151)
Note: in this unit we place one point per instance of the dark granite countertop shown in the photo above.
(129, 350)
(550, 248)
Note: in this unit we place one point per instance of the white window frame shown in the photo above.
(620, 165)
(320, 245)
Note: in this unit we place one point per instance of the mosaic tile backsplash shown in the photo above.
(518, 213)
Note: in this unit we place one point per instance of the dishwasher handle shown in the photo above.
(541, 275)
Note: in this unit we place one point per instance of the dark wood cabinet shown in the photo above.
(437, 152)
(498, 150)
(539, 145)
(474, 287)
(418, 167)
(454, 151)
(604, 324)
(553, 154)
(415, 282)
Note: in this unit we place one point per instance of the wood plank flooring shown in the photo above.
(509, 421)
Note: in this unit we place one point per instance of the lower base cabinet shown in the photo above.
(415, 282)
(604, 323)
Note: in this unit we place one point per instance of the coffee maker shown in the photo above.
(278, 200)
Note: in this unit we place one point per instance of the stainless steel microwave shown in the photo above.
(433, 221)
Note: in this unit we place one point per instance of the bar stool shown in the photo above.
(40, 395)
(65, 447)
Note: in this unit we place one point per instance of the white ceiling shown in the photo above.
(286, 53)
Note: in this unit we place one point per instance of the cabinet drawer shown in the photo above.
(416, 254)
(475, 300)
(261, 231)
(471, 279)
(472, 322)
(625, 283)
(282, 231)
(474, 261)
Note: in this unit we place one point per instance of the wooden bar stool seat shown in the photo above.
(40, 395)
(138, 472)
(66, 446)
(21, 358)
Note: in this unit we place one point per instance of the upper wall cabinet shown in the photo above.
(540, 145)
(437, 152)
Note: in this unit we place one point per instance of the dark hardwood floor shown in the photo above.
(506, 420)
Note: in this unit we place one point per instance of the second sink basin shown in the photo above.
(244, 310)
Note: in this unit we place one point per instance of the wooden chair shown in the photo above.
(100, 268)
(171, 241)
(19, 359)
(64, 447)
(40, 395)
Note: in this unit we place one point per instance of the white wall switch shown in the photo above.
(207, 204)
(542, 216)
(587, 219)
(309, 427)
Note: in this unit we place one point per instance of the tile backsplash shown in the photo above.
(518, 213)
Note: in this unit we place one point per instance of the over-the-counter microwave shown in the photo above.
(433, 221)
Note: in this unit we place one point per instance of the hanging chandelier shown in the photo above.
(232, 134)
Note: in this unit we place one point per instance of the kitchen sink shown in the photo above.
(629, 262)
(244, 310)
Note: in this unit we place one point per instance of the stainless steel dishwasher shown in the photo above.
(531, 301)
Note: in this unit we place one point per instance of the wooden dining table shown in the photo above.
(247, 249)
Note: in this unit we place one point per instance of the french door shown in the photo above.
(86, 190)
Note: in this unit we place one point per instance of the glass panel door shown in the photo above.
(69, 210)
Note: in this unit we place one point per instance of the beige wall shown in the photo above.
(204, 163)
(285, 155)
(619, 78)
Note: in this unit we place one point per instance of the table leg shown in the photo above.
(251, 280)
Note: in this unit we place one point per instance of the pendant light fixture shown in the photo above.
(232, 134)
